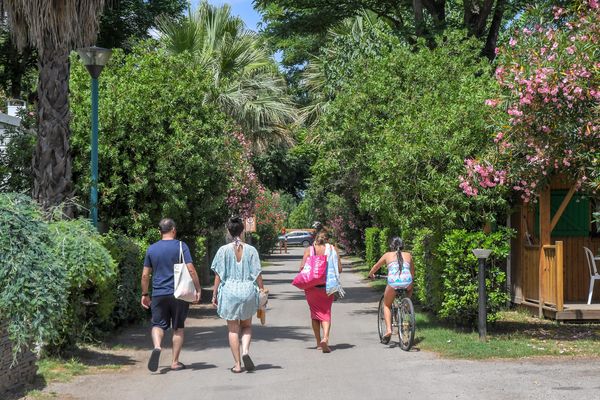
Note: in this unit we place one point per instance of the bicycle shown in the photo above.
(403, 318)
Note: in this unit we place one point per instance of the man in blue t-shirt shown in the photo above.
(167, 311)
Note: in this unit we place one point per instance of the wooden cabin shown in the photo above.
(548, 269)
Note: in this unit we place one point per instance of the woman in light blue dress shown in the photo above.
(238, 281)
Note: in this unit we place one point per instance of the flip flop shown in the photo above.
(248, 364)
(386, 338)
(234, 371)
(325, 347)
(153, 361)
(180, 366)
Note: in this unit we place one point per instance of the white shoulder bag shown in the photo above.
(184, 285)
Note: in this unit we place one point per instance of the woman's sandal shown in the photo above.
(325, 347)
(248, 364)
(236, 371)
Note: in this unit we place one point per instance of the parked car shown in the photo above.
(303, 238)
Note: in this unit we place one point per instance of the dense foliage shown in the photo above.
(459, 274)
(90, 272)
(124, 287)
(163, 151)
(397, 153)
(32, 278)
(372, 246)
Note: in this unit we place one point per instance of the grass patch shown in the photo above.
(53, 369)
(515, 335)
(58, 370)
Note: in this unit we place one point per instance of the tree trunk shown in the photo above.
(492, 39)
(52, 158)
(437, 9)
(419, 22)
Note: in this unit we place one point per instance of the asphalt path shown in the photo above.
(289, 366)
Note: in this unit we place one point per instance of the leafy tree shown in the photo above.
(547, 116)
(245, 84)
(299, 27)
(162, 151)
(53, 29)
(285, 169)
(124, 20)
(394, 139)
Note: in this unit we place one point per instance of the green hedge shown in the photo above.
(125, 286)
(427, 279)
(459, 274)
(32, 280)
(372, 245)
(384, 241)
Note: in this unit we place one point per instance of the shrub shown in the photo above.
(459, 276)
(372, 245)
(125, 286)
(384, 241)
(90, 271)
(427, 288)
(32, 280)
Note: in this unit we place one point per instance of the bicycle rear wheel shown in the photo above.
(406, 324)
(380, 320)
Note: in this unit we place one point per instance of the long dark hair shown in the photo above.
(397, 245)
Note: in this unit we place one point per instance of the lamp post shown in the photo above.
(482, 255)
(94, 58)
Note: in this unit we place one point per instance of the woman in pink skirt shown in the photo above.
(317, 298)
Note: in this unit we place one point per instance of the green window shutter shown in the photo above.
(575, 220)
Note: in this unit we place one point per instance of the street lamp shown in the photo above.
(482, 255)
(94, 58)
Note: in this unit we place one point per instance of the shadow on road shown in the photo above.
(194, 367)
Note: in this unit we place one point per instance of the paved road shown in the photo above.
(288, 366)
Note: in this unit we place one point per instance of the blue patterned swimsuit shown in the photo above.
(399, 279)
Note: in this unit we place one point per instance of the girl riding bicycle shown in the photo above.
(400, 276)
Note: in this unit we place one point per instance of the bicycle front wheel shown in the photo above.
(406, 324)
(380, 320)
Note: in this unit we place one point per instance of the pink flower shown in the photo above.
(570, 49)
(492, 102)
(593, 3)
(512, 42)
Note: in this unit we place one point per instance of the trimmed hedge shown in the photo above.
(372, 246)
(459, 274)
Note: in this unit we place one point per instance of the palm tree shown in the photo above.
(315, 78)
(246, 83)
(53, 28)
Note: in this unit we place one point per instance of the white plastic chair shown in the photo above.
(593, 271)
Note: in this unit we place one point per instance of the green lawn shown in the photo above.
(515, 335)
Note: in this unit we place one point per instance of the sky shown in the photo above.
(243, 8)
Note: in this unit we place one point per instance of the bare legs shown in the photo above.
(157, 336)
(235, 328)
(322, 344)
(177, 345)
(388, 299)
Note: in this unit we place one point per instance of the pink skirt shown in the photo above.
(319, 303)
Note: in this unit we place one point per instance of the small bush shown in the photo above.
(124, 287)
(32, 280)
(90, 270)
(459, 276)
(372, 246)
